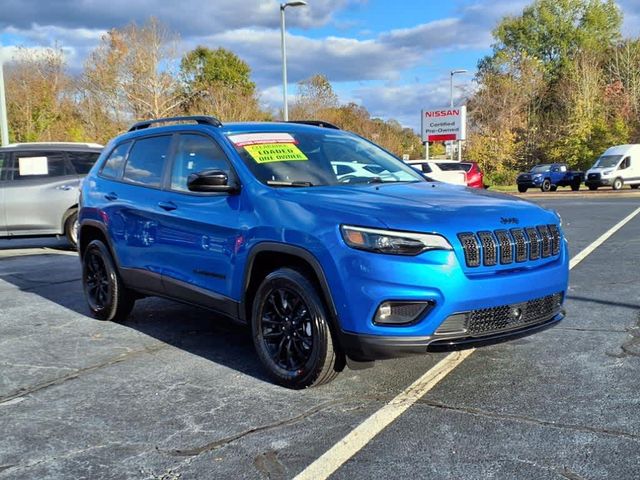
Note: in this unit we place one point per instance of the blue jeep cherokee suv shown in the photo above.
(253, 221)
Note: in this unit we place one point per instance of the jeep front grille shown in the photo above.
(509, 246)
(487, 321)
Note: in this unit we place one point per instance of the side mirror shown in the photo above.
(211, 181)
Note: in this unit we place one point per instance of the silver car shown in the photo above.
(39, 187)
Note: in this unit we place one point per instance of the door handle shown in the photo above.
(168, 206)
(66, 188)
(111, 196)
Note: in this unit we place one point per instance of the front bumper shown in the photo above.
(601, 182)
(373, 347)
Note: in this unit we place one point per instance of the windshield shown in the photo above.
(606, 161)
(318, 157)
(540, 168)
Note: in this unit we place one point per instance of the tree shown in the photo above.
(554, 31)
(218, 82)
(315, 95)
(40, 98)
(132, 75)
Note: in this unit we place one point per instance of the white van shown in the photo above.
(617, 166)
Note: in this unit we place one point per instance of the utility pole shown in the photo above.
(283, 48)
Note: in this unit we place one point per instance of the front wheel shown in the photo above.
(291, 333)
(546, 185)
(575, 187)
(522, 188)
(617, 184)
(106, 295)
(593, 187)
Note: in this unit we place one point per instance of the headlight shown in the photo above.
(607, 172)
(391, 241)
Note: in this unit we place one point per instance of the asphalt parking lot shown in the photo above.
(174, 393)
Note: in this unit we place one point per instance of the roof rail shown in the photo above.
(316, 123)
(199, 119)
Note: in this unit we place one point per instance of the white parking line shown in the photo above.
(584, 253)
(358, 438)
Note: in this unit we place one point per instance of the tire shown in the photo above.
(522, 189)
(617, 184)
(71, 229)
(593, 187)
(634, 186)
(291, 333)
(106, 295)
(546, 185)
(553, 188)
(575, 187)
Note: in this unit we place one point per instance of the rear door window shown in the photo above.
(146, 160)
(82, 161)
(40, 165)
(450, 167)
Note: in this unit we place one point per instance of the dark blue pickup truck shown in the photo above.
(548, 177)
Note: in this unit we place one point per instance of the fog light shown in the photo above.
(399, 313)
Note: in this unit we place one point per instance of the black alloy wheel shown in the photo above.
(291, 332)
(286, 329)
(106, 295)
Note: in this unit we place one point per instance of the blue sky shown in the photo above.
(393, 57)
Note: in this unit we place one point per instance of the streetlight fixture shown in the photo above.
(451, 74)
(283, 6)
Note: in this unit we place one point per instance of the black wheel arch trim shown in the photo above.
(103, 229)
(296, 251)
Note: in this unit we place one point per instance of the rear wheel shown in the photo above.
(546, 185)
(593, 187)
(634, 186)
(71, 229)
(617, 184)
(522, 188)
(106, 295)
(291, 332)
(575, 187)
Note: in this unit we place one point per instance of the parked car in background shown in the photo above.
(433, 170)
(348, 171)
(251, 221)
(475, 178)
(39, 187)
(548, 177)
(617, 166)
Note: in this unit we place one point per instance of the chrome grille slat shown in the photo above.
(521, 244)
(546, 240)
(471, 249)
(506, 246)
(534, 243)
(489, 248)
(555, 239)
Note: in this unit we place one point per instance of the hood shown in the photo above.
(423, 206)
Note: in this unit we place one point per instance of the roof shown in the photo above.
(53, 145)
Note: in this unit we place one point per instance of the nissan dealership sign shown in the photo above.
(444, 124)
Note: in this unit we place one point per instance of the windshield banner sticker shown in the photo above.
(245, 139)
(275, 152)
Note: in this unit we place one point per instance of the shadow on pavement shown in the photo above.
(56, 278)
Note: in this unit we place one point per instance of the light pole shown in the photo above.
(283, 6)
(451, 74)
(4, 130)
